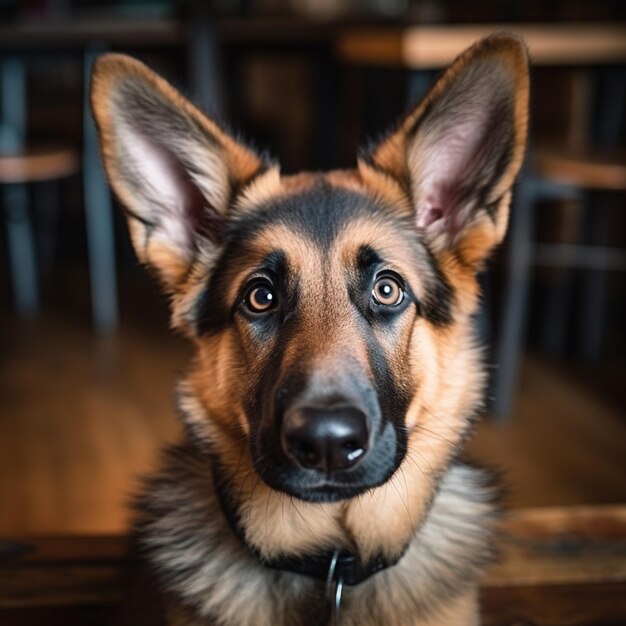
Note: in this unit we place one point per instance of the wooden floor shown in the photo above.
(81, 417)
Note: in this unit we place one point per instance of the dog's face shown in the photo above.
(330, 311)
(317, 292)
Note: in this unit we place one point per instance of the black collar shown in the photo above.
(328, 566)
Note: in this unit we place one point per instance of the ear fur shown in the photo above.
(174, 169)
(457, 153)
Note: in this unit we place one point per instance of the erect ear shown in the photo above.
(175, 170)
(457, 153)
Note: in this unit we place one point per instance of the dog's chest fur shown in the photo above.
(214, 579)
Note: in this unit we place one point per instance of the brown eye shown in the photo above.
(388, 291)
(260, 298)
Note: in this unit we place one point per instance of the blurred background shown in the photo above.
(87, 363)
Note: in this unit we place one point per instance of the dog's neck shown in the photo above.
(333, 565)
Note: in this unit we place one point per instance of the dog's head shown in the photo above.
(330, 311)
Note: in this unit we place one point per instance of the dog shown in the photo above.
(336, 373)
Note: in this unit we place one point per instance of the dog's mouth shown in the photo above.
(328, 491)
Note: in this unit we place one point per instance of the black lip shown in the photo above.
(324, 488)
(326, 493)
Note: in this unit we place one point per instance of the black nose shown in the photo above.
(325, 438)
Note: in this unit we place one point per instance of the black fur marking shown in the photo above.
(366, 155)
(393, 395)
(265, 402)
(212, 312)
(318, 213)
(367, 257)
(437, 306)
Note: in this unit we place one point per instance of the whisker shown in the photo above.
(405, 502)
(306, 523)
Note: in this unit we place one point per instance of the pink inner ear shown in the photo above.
(429, 213)
(444, 162)
(178, 206)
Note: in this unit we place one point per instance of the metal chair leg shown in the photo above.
(593, 293)
(204, 66)
(560, 295)
(21, 246)
(509, 348)
(99, 217)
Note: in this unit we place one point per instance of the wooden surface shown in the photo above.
(80, 417)
(558, 567)
(60, 571)
(562, 546)
(584, 169)
(431, 47)
(38, 164)
(564, 444)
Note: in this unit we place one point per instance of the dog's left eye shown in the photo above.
(260, 298)
(388, 291)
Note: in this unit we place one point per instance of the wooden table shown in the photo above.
(431, 47)
(559, 567)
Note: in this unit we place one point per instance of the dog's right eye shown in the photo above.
(260, 298)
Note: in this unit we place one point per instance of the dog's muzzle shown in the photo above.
(324, 437)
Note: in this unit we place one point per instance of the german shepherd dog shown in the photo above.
(336, 373)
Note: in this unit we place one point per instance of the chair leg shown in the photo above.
(557, 311)
(99, 218)
(21, 246)
(593, 292)
(46, 199)
(204, 64)
(561, 292)
(509, 348)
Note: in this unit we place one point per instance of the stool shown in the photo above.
(17, 169)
